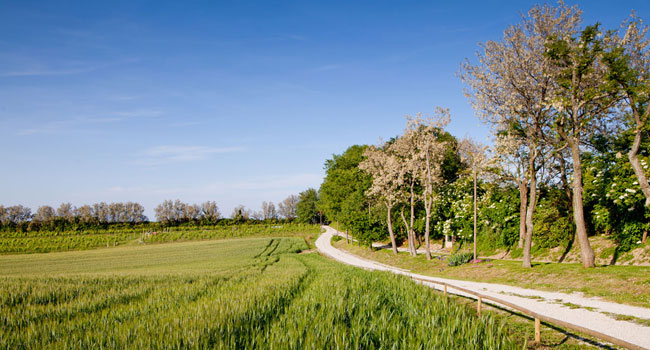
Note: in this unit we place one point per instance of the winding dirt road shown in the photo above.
(573, 308)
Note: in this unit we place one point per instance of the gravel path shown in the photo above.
(591, 312)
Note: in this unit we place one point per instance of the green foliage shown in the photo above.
(553, 227)
(459, 258)
(612, 194)
(343, 196)
(306, 210)
(257, 294)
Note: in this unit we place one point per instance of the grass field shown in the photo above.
(239, 293)
(53, 241)
(623, 284)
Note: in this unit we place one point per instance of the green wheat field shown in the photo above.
(226, 294)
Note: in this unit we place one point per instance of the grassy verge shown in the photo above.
(622, 284)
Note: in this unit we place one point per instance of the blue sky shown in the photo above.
(232, 101)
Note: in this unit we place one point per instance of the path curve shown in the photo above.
(550, 305)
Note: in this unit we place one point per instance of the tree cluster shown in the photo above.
(568, 107)
(66, 216)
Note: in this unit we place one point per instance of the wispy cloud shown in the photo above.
(172, 154)
(68, 125)
(45, 72)
(327, 67)
(68, 68)
(139, 113)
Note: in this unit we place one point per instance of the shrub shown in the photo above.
(460, 258)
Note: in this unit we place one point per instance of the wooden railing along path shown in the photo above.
(538, 317)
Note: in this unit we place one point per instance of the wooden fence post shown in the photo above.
(480, 301)
(538, 335)
(445, 289)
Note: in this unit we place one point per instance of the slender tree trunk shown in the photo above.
(587, 253)
(390, 228)
(523, 201)
(408, 232)
(532, 199)
(414, 251)
(563, 178)
(632, 155)
(474, 214)
(426, 230)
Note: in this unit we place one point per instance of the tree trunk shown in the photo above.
(414, 251)
(532, 201)
(632, 155)
(426, 234)
(563, 178)
(523, 201)
(408, 231)
(474, 214)
(427, 208)
(390, 229)
(578, 209)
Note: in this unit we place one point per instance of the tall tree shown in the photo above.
(431, 152)
(405, 149)
(384, 169)
(342, 193)
(628, 63)
(582, 102)
(475, 155)
(306, 210)
(511, 88)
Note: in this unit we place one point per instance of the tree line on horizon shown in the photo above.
(567, 106)
(169, 213)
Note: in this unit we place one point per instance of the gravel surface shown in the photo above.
(584, 311)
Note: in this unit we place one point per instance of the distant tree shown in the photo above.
(210, 211)
(45, 214)
(101, 212)
(66, 212)
(240, 213)
(4, 216)
(268, 211)
(85, 214)
(287, 208)
(306, 209)
(191, 212)
(18, 214)
(165, 212)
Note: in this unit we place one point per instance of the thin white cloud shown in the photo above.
(139, 113)
(40, 69)
(327, 67)
(68, 125)
(46, 72)
(172, 154)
